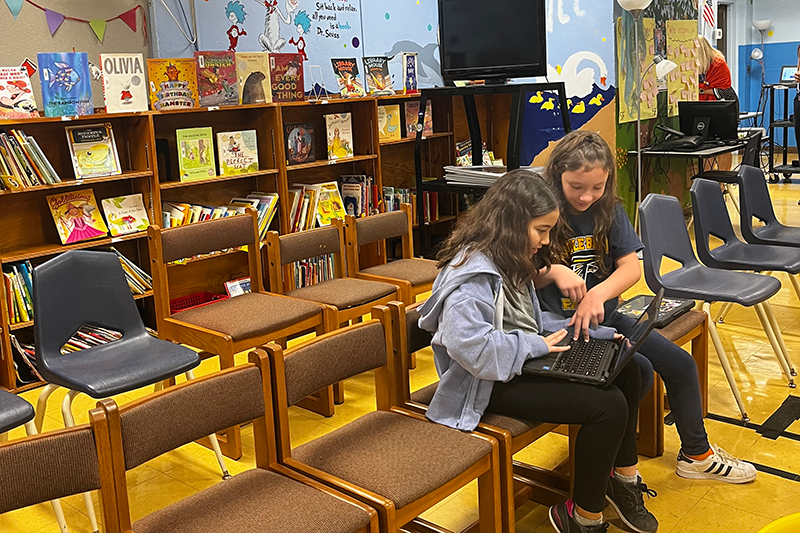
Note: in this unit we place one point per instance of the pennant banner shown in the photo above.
(129, 18)
(14, 6)
(99, 28)
(54, 20)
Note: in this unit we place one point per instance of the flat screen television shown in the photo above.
(492, 39)
(716, 120)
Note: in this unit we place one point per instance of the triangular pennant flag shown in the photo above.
(54, 20)
(99, 27)
(14, 6)
(129, 18)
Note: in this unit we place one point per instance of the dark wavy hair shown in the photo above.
(498, 226)
(582, 150)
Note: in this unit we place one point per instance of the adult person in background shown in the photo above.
(715, 76)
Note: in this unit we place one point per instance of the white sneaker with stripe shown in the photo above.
(720, 466)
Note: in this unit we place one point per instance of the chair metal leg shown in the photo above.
(795, 284)
(69, 421)
(734, 201)
(724, 309)
(30, 429)
(723, 360)
(770, 325)
(41, 405)
(779, 335)
(214, 441)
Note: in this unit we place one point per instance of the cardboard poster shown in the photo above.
(683, 49)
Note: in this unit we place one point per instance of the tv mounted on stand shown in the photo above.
(492, 40)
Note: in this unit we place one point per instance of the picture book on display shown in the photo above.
(300, 143)
(125, 214)
(76, 216)
(66, 84)
(237, 287)
(16, 95)
(347, 77)
(252, 70)
(93, 150)
(124, 82)
(389, 122)
(196, 153)
(238, 152)
(409, 73)
(412, 117)
(172, 83)
(376, 73)
(339, 130)
(286, 77)
(329, 204)
(217, 83)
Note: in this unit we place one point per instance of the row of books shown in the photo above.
(179, 214)
(18, 281)
(313, 270)
(22, 162)
(394, 196)
(138, 280)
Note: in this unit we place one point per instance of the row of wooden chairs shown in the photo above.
(237, 324)
(376, 473)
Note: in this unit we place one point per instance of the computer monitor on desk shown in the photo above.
(714, 120)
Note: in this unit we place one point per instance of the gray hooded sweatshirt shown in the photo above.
(471, 350)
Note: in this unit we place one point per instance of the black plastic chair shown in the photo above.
(756, 203)
(88, 287)
(665, 235)
(711, 219)
(15, 412)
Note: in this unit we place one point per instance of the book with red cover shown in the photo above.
(216, 78)
(286, 77)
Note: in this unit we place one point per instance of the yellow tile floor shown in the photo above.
(682, 506)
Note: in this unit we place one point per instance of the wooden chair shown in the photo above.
(229, 326)
(692, 326)
(49, 466)
(391, 459)
(269, 497)
(411, 275)
(519, 481)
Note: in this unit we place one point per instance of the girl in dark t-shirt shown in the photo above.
(593, 250)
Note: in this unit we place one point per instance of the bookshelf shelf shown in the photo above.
(44, 250)
(412, 139)
(327, 162)
(179, 184)
(80, 182)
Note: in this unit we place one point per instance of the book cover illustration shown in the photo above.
(339, 130)
(389, 122)
(195, 153)
(300, 143)
(412, 117)
(409, 73)
(347, 77)
(172, 83)
(252, 69)
(124, 82)
(216, 78)
(329, 204)
(76, 216)
(16, 96)
(238, 152)
(125, 214)
(93, 150)
(286, 77)
(66, 84)
(376, 73)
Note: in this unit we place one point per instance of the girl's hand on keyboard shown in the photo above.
(553, 339)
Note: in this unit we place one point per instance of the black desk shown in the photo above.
(700, 155)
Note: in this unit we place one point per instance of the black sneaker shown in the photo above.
(561, 517)
(627, 499)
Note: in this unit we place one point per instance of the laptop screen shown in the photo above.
(787, 73)
(644, 324)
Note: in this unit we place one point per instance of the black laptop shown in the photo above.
(597, 361)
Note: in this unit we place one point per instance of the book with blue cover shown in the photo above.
(66, 84)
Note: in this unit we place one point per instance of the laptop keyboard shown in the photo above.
(583, 358)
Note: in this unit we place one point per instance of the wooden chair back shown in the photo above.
(407, 338)
(172, 244)
(378, 228)
(283, 250)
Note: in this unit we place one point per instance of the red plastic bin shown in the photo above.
(191, 301)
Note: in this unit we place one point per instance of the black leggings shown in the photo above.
(607, 416)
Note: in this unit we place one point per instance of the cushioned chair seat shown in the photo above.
(256, 501)
(682, 325)
(14, 411)
(380, 452)
(713, 285)
(121, 366)
(344, 293)
(249, 315)
(415, 271)
(514, 426)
